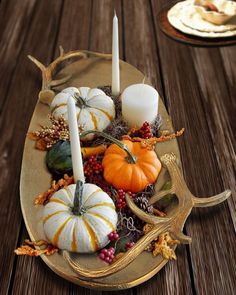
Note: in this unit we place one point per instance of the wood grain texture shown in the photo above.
(140, 46)
(198, 86)
(15, 20)
(101, 26)
(19, 104)
(219, 115)
(74, 27)
(187, 106)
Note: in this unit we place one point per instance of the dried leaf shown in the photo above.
(41, 144)
(161, 245)
(29, 251)
(32, 136)
(43, 198)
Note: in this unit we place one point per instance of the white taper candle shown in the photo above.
(76, 155)
(115, 58)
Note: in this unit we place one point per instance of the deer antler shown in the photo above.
(46, 94)
(173, 224)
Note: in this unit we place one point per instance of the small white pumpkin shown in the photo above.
(95, 110)
(85, 230)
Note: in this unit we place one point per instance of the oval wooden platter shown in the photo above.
(35, 178)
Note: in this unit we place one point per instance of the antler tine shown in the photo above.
(122, 262)
(182, 238)
(160, 195)
(37, 63)
(61, 50)
(143, 215)
(211, 201)
(47, 72)
(58, 82)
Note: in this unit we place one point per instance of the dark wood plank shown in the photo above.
(15, 19)
(140, 46)
(75, 25)
(212, 259)
(141, 52)
(14, 122)
(215, 94)
(101, 26)
(219, 106)
(229, 61)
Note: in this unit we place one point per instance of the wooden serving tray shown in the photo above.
(92, 71)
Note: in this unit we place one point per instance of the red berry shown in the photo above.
(92, 167)
(107, 255)
(107, 259)
(101, 255)
(104, 251)
(145, 131)
(129, 245)
(113, 236)
(121, 199)
(112, 249)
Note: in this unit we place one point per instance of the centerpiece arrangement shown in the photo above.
(101, 184)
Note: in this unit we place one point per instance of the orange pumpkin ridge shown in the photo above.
(130, 176)
(127, 165)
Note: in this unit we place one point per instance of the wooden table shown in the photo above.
(198, 86)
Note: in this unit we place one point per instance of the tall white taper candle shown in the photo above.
(115, 58)
(76, 155)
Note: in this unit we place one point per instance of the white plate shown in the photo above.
(181, 17)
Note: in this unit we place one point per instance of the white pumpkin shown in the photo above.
(95, 110)
(85, 232)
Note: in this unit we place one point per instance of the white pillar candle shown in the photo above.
(115, 58)
(139, 104)
(76, 155)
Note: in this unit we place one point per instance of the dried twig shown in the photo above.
(150, 142)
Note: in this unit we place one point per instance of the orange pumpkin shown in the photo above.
(132, 168)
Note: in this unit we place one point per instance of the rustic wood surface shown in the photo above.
(198, 86)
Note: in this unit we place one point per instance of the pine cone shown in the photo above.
(142, 202)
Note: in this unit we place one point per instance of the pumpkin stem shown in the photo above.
(78, 208)
(131, 158)
(80, 101)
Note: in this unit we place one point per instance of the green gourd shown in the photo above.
(58, 158)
